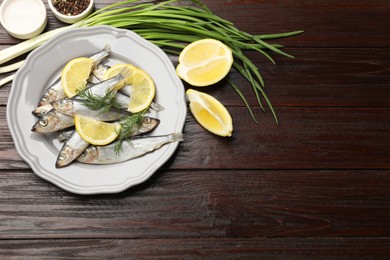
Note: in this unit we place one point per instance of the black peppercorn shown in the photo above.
(70, 7)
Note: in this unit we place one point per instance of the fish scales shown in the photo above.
(134, 148)
(75, 145)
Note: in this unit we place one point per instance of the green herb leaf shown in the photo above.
(129, 126)
(94, 102)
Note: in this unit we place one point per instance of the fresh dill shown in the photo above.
(129, 126)
(94, 102)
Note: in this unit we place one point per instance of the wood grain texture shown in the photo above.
(223, 203)
(314, 186)
(307, 138)
(189, 248)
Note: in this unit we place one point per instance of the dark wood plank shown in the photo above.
(318, 77)
(331, 23)
(206, 248)
(324, 138)
(328, 23)
(316, 186)
(172, 204)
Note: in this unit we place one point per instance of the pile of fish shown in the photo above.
(56, 112)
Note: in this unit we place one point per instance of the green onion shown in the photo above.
(172, 27)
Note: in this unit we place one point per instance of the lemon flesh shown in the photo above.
(210, 113)
(75, 74)
(96, 132)
(143, 91)
(204, 62)
(142, 85)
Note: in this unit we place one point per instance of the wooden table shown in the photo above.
(315, 186)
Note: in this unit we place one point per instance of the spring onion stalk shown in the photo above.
(172, 26)
(11, 67)
(7, 79)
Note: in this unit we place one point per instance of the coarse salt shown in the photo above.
(23, 17)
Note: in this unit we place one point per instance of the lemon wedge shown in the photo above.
(96, 132)
(118, 68)
(75, 74)
(210, 113)
(204, 62)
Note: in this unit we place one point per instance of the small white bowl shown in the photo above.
(71, 18)
(23, 19)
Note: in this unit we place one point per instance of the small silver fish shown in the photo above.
(65, 135)
(55, 90)
(75, 145)
(71, 149)
(42, 110)
(52, 121)
(100, 70)
(73, 106)
(103, 87)
(134, 148)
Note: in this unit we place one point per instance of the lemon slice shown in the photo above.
(75, 74)
(96, 132)
(142, 91)
(210, 113)
(204, 62)
(116, 69)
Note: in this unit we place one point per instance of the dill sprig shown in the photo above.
(129, 126)
(98, 103)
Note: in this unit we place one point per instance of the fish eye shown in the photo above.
(62, 156)
(45, 98)
(147, 120)
(61, 103)
(43, 122)
(84, 154)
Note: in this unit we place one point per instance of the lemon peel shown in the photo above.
(96, 132)
(75, 74)
(210, 113)
(204, 62)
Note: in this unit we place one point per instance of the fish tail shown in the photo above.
(156, 107)
(126, 72)
(176, 137)
(123, 74)
(107, 48)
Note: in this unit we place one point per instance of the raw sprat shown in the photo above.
(98, 114)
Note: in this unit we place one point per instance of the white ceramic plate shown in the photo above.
(41, 68)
